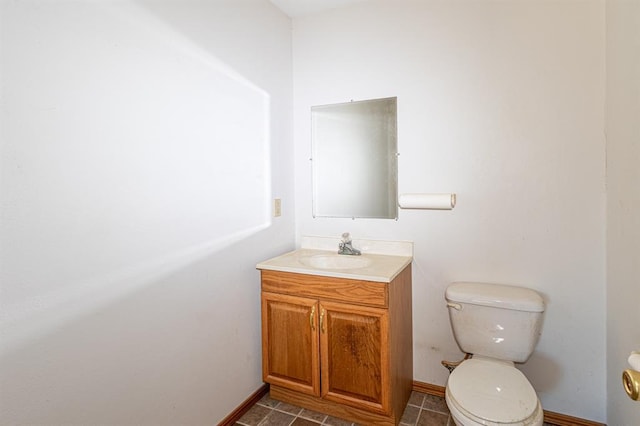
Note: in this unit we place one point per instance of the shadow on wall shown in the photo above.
(541, 362)
(152, 357)
(22, 324)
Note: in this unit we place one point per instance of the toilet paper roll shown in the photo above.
(427, 201)
(634, 360)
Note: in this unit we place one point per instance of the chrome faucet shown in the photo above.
(346, 246)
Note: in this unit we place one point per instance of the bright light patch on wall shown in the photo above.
(216, 127)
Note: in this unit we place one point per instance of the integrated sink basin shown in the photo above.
(336, 261)
(376, 266)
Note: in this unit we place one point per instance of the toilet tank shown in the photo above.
(495, 320)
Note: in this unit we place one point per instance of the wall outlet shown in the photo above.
(277, 207)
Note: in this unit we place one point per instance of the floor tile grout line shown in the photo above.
(419, 415)
(436, 411)
(287, 412)
(323, 422)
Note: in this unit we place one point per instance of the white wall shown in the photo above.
(142, 143)
(502, 103)
(128, 292)
(623, 202)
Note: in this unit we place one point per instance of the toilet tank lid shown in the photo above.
(495, 295)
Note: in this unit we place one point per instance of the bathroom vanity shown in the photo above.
(337, 333)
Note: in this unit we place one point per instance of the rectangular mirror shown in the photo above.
(354, 159)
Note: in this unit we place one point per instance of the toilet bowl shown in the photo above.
(489, 392)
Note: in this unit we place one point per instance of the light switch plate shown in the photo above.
(277, 207)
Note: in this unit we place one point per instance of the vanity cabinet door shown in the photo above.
(354, 355)
(290, 342)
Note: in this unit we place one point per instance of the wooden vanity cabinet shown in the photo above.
(339, 346)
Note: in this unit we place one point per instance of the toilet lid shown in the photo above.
(492, 390)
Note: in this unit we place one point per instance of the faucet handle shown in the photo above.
(346, 237)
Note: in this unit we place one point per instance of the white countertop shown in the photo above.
(367, 267)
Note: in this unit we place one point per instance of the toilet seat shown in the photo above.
(492, 392)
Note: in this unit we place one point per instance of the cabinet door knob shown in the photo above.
(311, 317)
(322, 320)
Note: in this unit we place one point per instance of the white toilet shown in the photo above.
(499, 325)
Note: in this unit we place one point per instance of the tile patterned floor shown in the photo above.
(422, 410)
